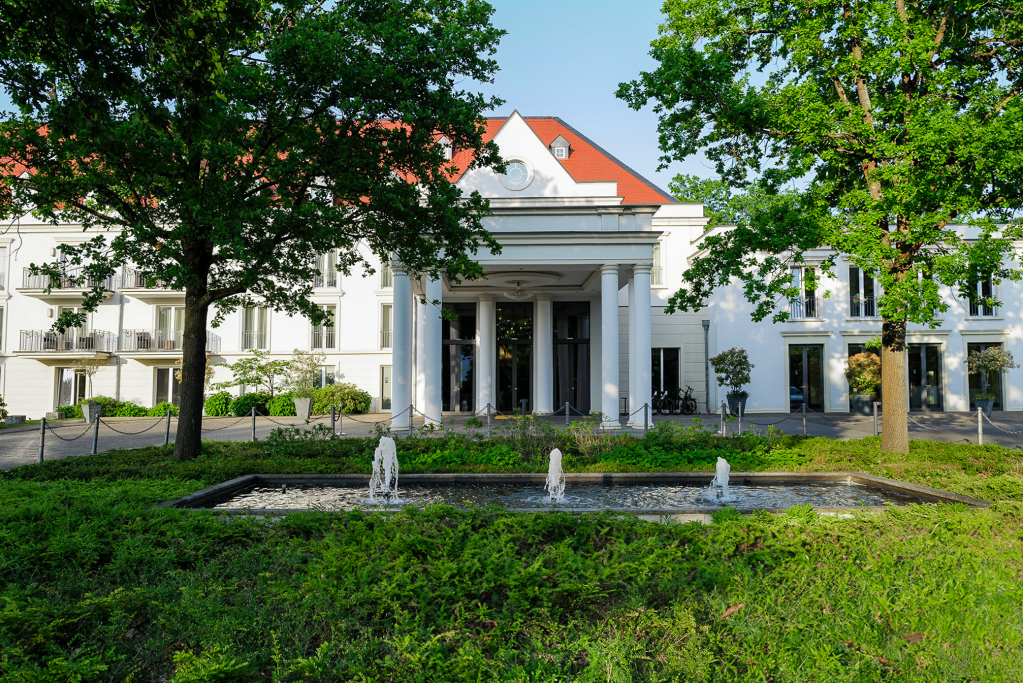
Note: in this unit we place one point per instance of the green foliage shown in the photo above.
(111, 408)
(259, 370)
(242, 405)
(218, 405)
(246, 147)
(863, 371)
(161, 408)
(733, 370)
(282, 405)
(3, 408)
(99, 584)
(993, 360)
(349, 398)
(725, 207)
(304, 372)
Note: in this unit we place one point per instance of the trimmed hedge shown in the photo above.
(218, 405)
(111, 408)
(242, 405)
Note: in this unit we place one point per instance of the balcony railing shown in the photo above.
(132, 278)
(385, 339)
(323, 338)
(253, 340)
(144, 341)
(862, 307)
(70, 278)
(3, 280)
(35, 341)
(328, 279)
(982, 310)
(804, 307)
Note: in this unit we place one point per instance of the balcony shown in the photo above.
(253, 340)
(56, 348)
(385, 339)
(3, 280)
(862, 307)
(323, 338)
(803, 308)
(148, 289)
(69, 288)
(155, 346)
(327, 279)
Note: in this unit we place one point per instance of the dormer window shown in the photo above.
(446, 148)
(560, 148)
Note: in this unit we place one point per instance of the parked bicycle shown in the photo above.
(688, 405)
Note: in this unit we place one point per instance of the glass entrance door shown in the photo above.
(806, 377)
(458, 351)
(665, 370)
(983, 383)
(514, 356)
(924, 377)
(572, 356)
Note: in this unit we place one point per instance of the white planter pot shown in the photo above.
(303, 407)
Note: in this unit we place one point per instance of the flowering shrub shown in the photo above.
(863, 372)
(993, 360)
(733, 370)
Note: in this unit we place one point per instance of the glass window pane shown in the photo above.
(162, 382)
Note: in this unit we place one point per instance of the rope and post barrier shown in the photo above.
(95, 436)
(566, 413)
(166, 431)
(980, 426)
(253, 423)
(876, 404)
(488, 420)
(333, 423)
(804, 418)
(646, 417)
(722, 419)
(42, 438)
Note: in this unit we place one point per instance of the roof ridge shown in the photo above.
(626, 168)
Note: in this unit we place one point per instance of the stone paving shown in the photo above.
(20, 445)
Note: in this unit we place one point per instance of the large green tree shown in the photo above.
(219, 146)
(905, 120)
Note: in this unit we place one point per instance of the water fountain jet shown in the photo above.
(555, 484)
(718, 489)
(385, 471)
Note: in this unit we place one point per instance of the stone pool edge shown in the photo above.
(192, 501)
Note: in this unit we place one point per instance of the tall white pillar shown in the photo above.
(487, 352)
(418, 368)
(543, 342)
(633, 405)
(401, 351)
(642, 335)
(430, 360)
(609, 345)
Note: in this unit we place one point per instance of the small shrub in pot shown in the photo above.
(864, 374)
(733, 370)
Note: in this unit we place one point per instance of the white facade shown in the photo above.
(551, 322)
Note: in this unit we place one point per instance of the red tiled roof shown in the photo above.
(586, 162)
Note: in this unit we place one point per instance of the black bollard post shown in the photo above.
(804, 418)
(42, 438)
(253, 423)
(646, 417)
(567, 408)
(95, 436)
(875, 417)
(166, 430)
(333, 422)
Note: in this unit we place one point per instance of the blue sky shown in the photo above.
(566, 58)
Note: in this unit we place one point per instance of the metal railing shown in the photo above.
(143, 341)
(70, 278)
(323, 338)
(862, 307)
(386, 339)
(386, 277)
(804, 307)
(253, 340)
(328, 279)
(132, 278)
(656, 276)
(68, 340)
(3, 280)
(979, 310)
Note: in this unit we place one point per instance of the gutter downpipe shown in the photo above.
(117, 358)
(706, 361)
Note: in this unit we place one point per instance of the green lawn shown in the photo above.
(97, 584)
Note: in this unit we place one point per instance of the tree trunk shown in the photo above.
(188, 438)
(895, 429)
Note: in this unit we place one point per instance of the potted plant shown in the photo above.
(994, 360)
(733, 371)
(864, 374)
(91, 410)
(302, 378)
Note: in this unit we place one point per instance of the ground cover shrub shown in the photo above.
(111, 408)
(218, 404)
(97, 584)
(243, 405)
(282, 405)
(3, 408)
(161, 408)
(345, 397)
(129, 409)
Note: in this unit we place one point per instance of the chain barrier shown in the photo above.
(88, 428)
(767, 424)
(217, 429)
(1003, 431)
(159, 422)
(967, 422)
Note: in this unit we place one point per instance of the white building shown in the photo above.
(552, 322)
(555, 320)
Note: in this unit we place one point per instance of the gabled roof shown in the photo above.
(588, 162)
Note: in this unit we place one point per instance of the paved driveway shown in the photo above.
(20, 445)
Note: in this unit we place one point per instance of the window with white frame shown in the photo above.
(560, 147)
(170, 327)
(326, 375)
(863, 290)
(3, 269)
(657, 271)
(446, 148)
(386, 323)
(254, 328)
(980, 307)
(386, 275)
(805, 305)
(326, 270)
(1, 329)
(323, 334)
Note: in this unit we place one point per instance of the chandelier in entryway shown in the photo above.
(518, 294)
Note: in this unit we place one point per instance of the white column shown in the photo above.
(543, 352)
(430, 360)
(633, 405)
(609, 345)
(487, 352)
(401, 352)
(641, 323)
(418, 367)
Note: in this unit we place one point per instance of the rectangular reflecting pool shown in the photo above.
(654, 493)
